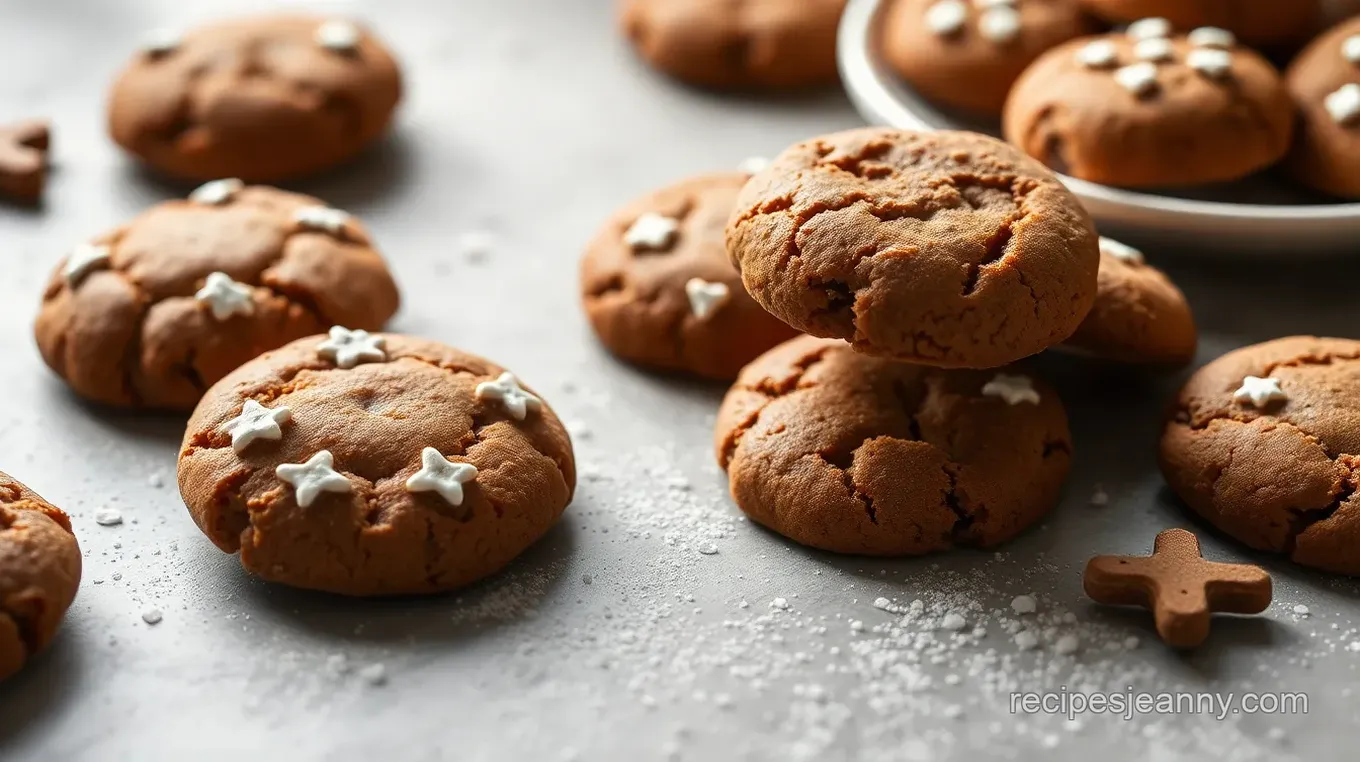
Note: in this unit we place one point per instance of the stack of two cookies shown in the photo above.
(921, 266)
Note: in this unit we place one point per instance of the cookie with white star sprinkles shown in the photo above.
(1264, 444)
(1139, 317)
(1151, 108)
(374, 464)
(1256, 22)
(1325, 82)
(150, 314)
(966, 54)
(263, 98)
(660, 291)
(856, 454)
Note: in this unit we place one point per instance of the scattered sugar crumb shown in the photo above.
(156, 480)
(780, 603)
(1067, 644)
(1301, 610)
(108, 517)
(1099, 497)
(1024, 604)
(1026, 640)
(953, 621)
(152, 616)
(374, 674)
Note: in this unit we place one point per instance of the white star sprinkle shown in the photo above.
(1259, 392)
(1154, 49)
(338, 35)
(1100, 54)
(225, 297)
(256, 422)
(946, 17)
(1144, 29)
(1344, 104)
(438, 474)
(1121, 251)
(993, 3)
(322, 218)
(1350, 49)
(1013, 389)
(704, 297)
(1000, 24)
(160, 42)
(217, 191)
(652, 231)
(753, 165)
(1211, 62)
(1211, 37)
(518, 402)
(1139, 79)
(348, 348)
(312, 478)
(84, 258)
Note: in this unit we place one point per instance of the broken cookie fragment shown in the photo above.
(856, 454)
(150, 314)
(39, 573)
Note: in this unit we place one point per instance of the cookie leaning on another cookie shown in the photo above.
(1325, 82)
(660, 291)
(860, 455)
(264, 98)
(967, 54)
(944, 248)
(39, 573)
(1264, 443)
(735, 44)
(1139, 315)
(150, 314)
(374, 464)
(1140, 109)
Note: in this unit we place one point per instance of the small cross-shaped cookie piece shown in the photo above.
(1180, 587)
(23, 160)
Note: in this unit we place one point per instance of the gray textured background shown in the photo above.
(616, 637)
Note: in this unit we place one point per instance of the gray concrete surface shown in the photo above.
(648, 624)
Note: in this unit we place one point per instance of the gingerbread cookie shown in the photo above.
(944, 248)
(39, 573)
(660, 291)
(967, 53)
(23, 160)
(1264, 443)
(264, 98)
(374, 464)
(150, 314)
(855, 454)
(1257, 22)
(761, 44)
(1139, 315)
(1325, 82)
(1141, 109)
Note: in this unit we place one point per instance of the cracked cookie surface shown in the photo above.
(1189, 127)
(260, 98)
(725, 44)
(1140, 316)
(966, 67)
(375, 419)
(1280, 476)
(129, 331)
(855, 454)
(946, 248)
(39, 573)
(639, 299)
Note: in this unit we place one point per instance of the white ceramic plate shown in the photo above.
(1253, 217)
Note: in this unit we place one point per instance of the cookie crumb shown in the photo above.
(780, 603)
(152, 616)
(108, 517)
(708, 549)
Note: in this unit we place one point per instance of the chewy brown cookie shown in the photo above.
(967, 53)
(773, 44)
(1139, 315)
(943, 248)
(39, 573)
(1264, 443)
(660, 291)
(1257, 22)
(150, 314)
(1144, 109)
(326, 463)
(860, 455)
(264, 98)
(1325, 82)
